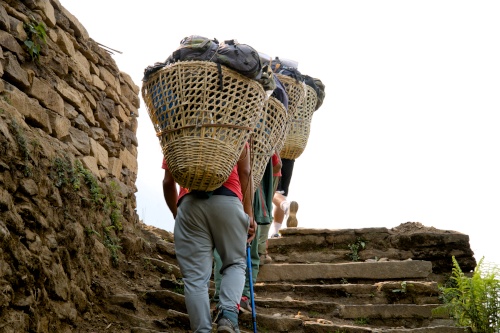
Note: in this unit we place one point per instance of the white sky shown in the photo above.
(408, 131)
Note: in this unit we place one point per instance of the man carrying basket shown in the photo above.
(222, 219)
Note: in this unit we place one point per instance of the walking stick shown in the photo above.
(250, 280)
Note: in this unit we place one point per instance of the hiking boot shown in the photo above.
(227, 321)
(292, 222)
(265, 259)
(245, 304)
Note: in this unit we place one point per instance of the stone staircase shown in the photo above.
(314, 285)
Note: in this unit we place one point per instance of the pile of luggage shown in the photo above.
(208, 99)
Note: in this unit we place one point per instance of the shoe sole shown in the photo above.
(292, 222)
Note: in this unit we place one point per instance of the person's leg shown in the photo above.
(286, 208)
(278, 214)
(217, 276)
(229, 226)
(255, 259)
(194, 252)
(263, 236)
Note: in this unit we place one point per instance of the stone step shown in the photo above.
(387, 292)
(411, 241)
(299, 323)
(347, 272)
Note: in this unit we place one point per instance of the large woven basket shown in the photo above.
(270, 128)
(300, 126)
(296, 93)
(203, 118)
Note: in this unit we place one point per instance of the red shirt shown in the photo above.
(275, 161)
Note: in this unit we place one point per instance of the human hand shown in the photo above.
(267, 78)
(252, 230)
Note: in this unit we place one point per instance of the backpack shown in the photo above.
(321, 93)
(310, 82)
(195, 47)
(240, 57)
(280, 92)
(286, 67)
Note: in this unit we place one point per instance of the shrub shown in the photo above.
(474, 301)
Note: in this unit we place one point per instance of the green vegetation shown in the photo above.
(37, 35)
(314, 314)
(403, 289)
(179, 289)
(355, 248)
(23, 146)
(74, 176)
(473, 301)
(362, 321)
(113, 207)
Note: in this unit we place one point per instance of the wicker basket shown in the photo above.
(203, 118)
(270, 128)
(299, 127)
(296, 93)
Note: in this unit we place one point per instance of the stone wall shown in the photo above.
(68, 166)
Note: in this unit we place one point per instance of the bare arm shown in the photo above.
(246, 181)
(170, 192)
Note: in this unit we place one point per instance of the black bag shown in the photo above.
(286, 68)
(195, 47)
(310, 82)
(240, 57)
(321, 93)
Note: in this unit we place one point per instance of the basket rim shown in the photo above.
(202, 63)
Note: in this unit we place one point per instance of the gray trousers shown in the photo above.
(200, 226)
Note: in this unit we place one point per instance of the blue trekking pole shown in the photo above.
(250, 280)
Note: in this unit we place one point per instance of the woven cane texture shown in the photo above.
(296, 93)
(203, 119)
(270, 128)
(300, 126)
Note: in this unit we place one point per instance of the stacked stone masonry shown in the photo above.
(68, 167)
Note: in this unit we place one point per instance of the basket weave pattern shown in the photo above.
(202, 119)
(300, 126)
(270, 128)
(296, 93)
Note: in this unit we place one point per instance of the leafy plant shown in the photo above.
(362, 321)
(23, 146)
(95, 190)
(37, 35)
(403, 289)
(473, 301)
(112, 246)
(355, 248)
(113, 206)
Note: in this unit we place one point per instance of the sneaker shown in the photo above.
(292, 222)
(227, 321)
(276, 236)
(285, 205)
(245, 304)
